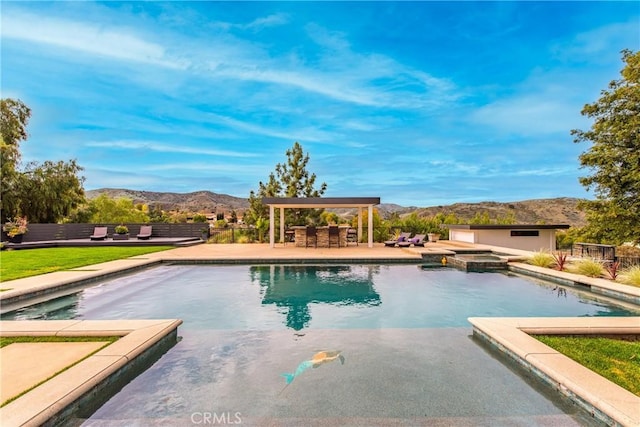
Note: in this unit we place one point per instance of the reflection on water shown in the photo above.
(61, 308)
(295, 287)
(304, 297)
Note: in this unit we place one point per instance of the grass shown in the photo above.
(616, 360)
(4, 341)
(32, 262)
(631, 276)
(541, 259)
(588, 267)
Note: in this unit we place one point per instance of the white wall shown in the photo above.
(545, 240)
(467, 236)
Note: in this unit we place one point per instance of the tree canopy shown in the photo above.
(44, 192)
(613, 159)
(14, 117)
(291, 179)
(107, 210)
(48, 192)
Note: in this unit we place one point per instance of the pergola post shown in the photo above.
(282, 224)
(360, 225)
(272, 225)
(370, 226)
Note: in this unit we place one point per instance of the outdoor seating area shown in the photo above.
(145, 232)
(83, 234)
(320, 237)
(417, 240)
(402, 237)
(405, 240)
(99, 233)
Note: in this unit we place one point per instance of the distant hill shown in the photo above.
(199, 201)
(561, 210)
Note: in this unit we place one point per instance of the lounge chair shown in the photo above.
(145, 232)
(99, 233)
(402, 238)
(417, 240)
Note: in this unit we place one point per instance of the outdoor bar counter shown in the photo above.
(322, 234)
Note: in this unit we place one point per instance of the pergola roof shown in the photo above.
(321, 202)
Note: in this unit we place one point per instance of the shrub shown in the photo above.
(219, 238)
(631, 276)
(613, 269)
(121, 229)
(199, 218)
(541, 259)
(588, 267)
(15, 227)
(243, 238)
(560, 259)
(628, 250)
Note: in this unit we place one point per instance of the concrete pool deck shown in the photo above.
(605, 400)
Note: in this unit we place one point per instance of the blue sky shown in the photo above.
(419, 103)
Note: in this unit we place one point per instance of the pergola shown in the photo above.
(283, 203)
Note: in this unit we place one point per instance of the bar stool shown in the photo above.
(311, 233)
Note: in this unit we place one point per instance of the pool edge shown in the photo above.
(600, 397)
(83, 387)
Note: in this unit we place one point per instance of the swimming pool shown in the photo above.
(390, 344)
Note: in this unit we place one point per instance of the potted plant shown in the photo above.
(205, 233)
(433, 237)
(15, 229)
(122, 232)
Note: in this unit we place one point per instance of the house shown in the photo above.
(517, 236)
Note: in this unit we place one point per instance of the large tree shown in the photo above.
(291, 179)
(614, 158)
(14, 116)
(41, 193)
(49, 192)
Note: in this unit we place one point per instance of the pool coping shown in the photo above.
(91, 381)
(603, 399)
(231, 254)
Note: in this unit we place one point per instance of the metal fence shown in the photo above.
(628, 261)
(234, 235)
(605, 253)
(595, 251)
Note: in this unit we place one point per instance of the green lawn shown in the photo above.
(616, 360)
(17, 264)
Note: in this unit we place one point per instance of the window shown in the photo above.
(520, 233)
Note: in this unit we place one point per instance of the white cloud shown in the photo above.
(601, 44)
(164, 148)
(94, 39)
(529, 114)
(273, 20)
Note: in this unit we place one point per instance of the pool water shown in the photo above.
(361, 344)
(279, 297)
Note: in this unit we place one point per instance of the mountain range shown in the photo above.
(562, 210)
